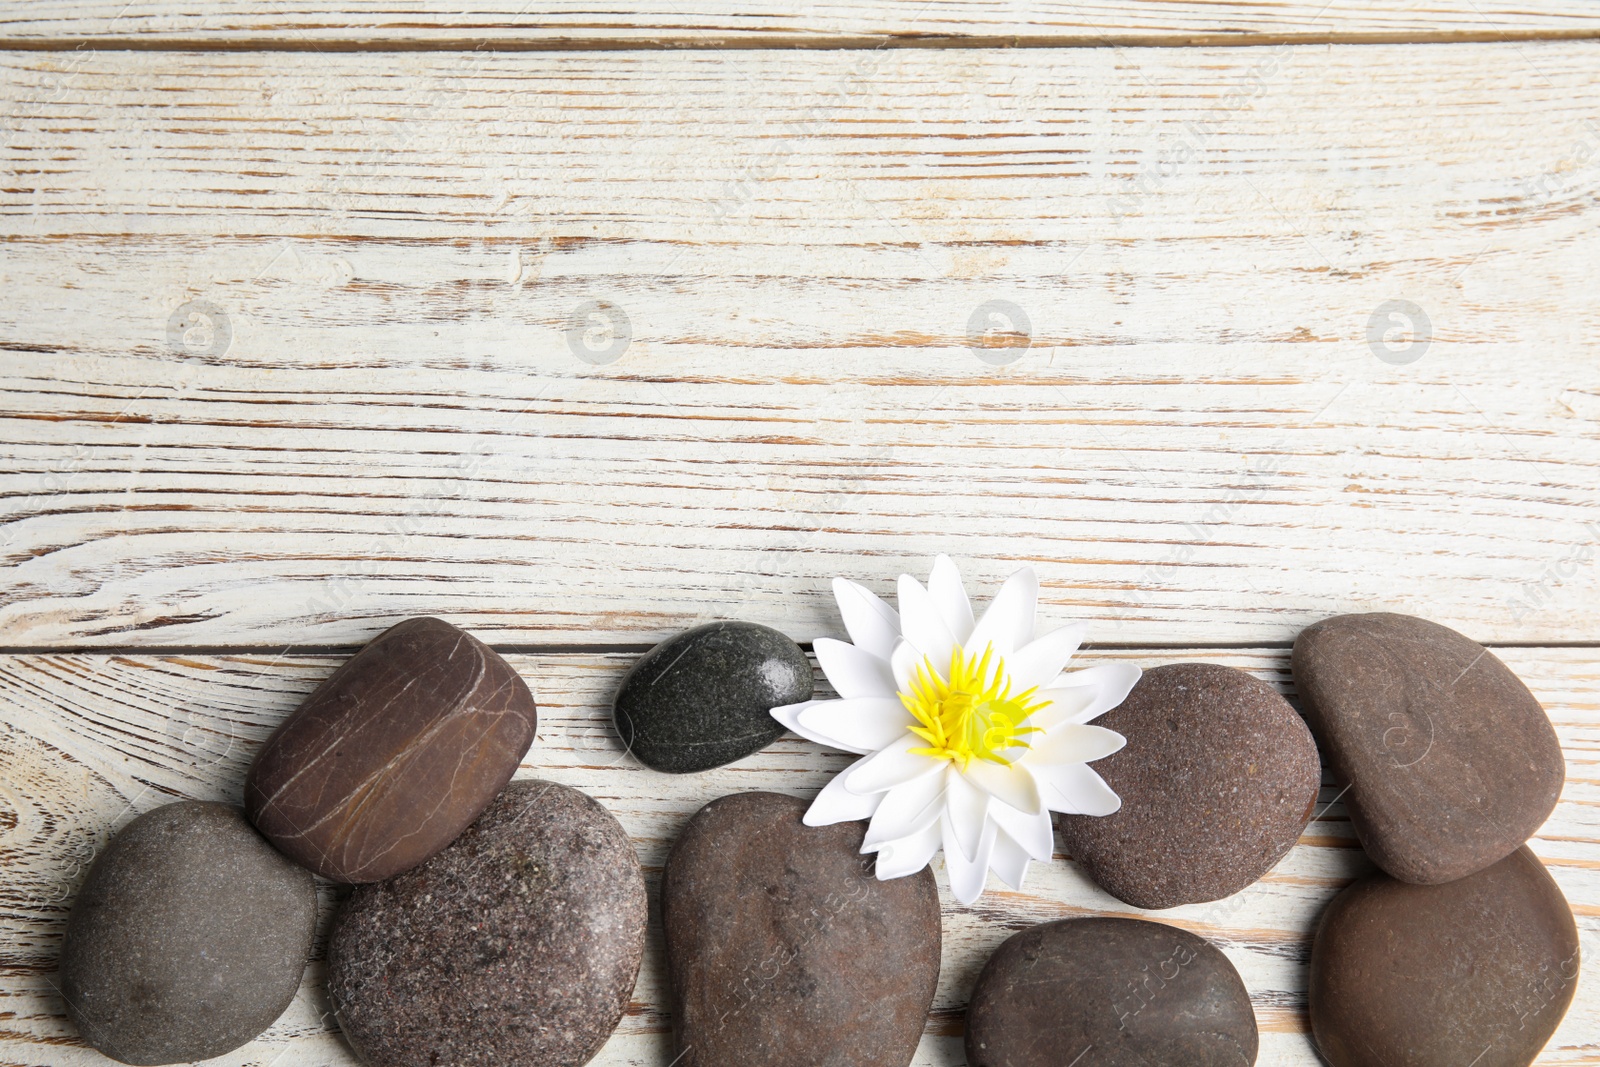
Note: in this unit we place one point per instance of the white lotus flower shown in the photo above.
(970, 732)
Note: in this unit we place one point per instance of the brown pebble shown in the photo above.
(783, 948)
(392, 756)
(1475, 972)
(1109, 992)
(518, 944)
(1217, 780)
(1450, 762)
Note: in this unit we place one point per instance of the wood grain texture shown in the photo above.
(1201, 444)
(710, 23)
(91, 740)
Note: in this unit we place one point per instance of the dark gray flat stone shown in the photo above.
(1478, 971)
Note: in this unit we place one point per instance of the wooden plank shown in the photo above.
(766, 23)
(91, 740)
(1202, 443)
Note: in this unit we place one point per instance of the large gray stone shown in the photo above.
(1217, 780)
(1478, 971)
(187, 939)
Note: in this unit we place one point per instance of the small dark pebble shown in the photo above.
(703, 698)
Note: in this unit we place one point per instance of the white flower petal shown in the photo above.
(1075, 789)
(944, 584)
(853, 671)
(872, 624)
(1010, 860)
(968, 875)
(904, 661)
(1036, 832)
(1010, 783)
(1036, 664)
(967, 809)
(859, 724)
(1087, 694)
(906, 811)
(921, 624)
(837, 804)
(891, 766)
(1074, 743)
(908, 855)
(1008, 622)
(789, 715)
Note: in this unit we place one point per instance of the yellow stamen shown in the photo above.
(973, 715)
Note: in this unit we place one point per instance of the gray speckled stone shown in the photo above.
(517, 944)
(784, 949)
(1108, 992)
(703, 698)
(187, 939)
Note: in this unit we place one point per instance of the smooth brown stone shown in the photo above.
(1109, 992)
(1217, 780)
(187, 939)
(1474, 972)
(392, 756)
(1450, 762)
(783, 948)
(519, 944)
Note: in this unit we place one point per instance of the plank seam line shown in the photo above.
(638, 648)
(778, 42)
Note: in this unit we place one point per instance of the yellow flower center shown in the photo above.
(973, 715)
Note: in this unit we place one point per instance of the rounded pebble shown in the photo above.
(1451, 762)
(392, 756)
(1109, 992)
(188, 938)
(784, 949)
(1477, 971)
(1217, 780)
(703, 698)
(518, 944)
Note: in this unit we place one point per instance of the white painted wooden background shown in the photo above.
(304, 330)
